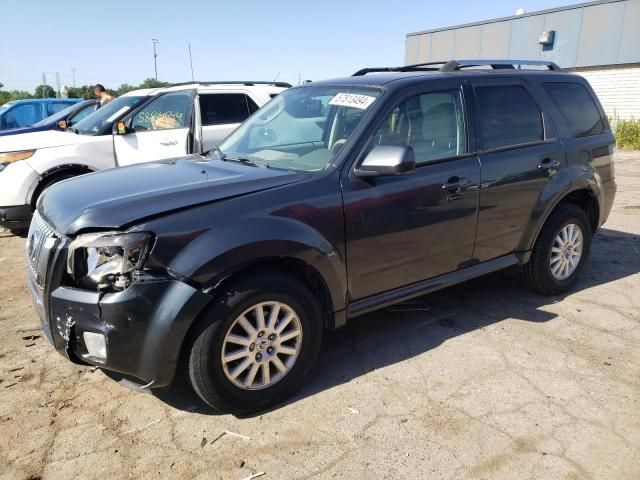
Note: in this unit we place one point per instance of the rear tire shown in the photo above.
(264, 373)
(560, 252)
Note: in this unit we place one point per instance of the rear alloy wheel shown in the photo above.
(560, 252)
(256, 344)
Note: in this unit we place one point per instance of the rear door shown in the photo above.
(519, 154)
(159, 130)
(221, 113)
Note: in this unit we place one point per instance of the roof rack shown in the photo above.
(247, 83)
(456, 65)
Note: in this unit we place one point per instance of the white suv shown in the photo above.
(140, 126)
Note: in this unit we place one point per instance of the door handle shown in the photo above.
(169, 142)
(548, 164)
(456, 184)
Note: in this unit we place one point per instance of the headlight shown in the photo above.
(9, 157)
(105, 260)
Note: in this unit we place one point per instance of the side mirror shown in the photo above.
(121, 128)
(387, 160)
(62, 124)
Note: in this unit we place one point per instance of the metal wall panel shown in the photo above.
(600, 34)
(424, 48)
(442, 45)
(524, 38)
(468, 43)
(495, 40)
(567, 27)
(629, 50)
(411, 50)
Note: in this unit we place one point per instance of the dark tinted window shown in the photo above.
(508, 116)
(221, 108)
(577, 107)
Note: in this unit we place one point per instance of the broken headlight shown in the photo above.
(106, 260)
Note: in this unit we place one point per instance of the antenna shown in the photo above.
(191, 63)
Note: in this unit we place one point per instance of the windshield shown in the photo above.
(300, 129)
(104, 117)
(56, 116)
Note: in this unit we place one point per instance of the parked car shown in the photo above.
(67, 117)
(22, 113)
(337, 198)
(140, 126)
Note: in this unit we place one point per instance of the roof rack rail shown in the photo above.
(248, 83)
(453, 65)
(456, 65)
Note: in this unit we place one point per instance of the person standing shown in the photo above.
(102, 94)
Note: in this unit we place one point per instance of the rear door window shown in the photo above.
(225, 108)
(508, 117)
(577, 108)
(22, 115)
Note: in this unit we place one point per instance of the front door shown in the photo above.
(519, 155)
(160, 130)
(404, 229)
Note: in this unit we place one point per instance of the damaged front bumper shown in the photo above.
(144, 326)
(137, 332)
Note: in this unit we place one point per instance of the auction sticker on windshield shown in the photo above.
(352, 100)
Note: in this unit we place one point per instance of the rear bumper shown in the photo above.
(144, 326)
(609, 189)
(15, 217)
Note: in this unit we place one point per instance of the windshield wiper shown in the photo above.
(246, 161)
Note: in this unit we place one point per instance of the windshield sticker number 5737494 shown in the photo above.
(352, 100)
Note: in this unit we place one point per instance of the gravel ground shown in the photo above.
(484, 380)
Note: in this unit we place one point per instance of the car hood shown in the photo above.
(46, 139)
(21, 130)
(120, 197)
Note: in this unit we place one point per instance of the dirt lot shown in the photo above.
(486, 380)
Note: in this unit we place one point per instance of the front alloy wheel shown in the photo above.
(262, 345)
(255, 344)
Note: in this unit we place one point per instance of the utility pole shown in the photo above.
(44, 82)
(73, 73)
(57, 84)
(155, 56)
(191, 63)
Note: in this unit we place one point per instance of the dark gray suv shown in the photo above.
(335, 199)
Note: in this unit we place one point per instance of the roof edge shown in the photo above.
(514, 17)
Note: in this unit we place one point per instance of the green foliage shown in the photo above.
(628, 134)
(44, 91)
(153, 83)
(85, 91)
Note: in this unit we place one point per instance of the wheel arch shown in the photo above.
(582, 196)
(47, 177)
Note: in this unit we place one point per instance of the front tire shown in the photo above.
(560, 252)
(256, 344)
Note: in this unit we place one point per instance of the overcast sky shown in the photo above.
(110, 42)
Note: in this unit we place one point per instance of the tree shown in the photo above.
(124, 88)
(153, 83)
(85, 91)
(44, 91)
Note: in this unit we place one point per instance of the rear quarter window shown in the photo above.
(577, 108)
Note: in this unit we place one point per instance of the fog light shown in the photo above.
(96, 346)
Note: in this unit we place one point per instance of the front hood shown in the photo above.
(116, 198)
(36, 140)
(21, 130)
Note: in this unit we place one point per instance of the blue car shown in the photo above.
(66, 117)
(22, 113)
